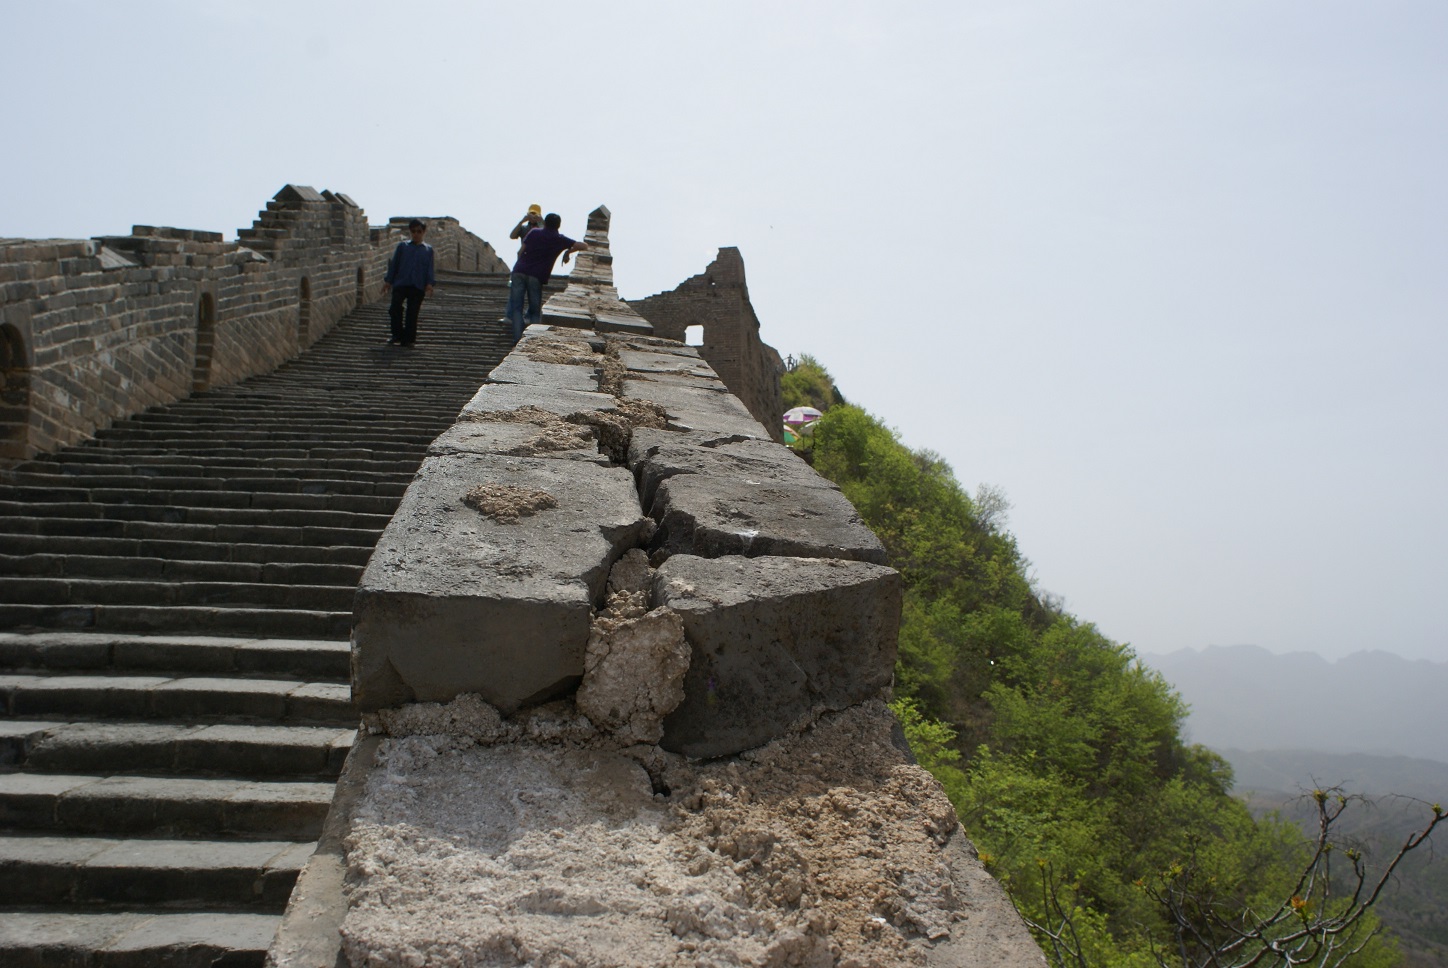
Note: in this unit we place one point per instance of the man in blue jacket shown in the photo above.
(533, 269)
(410, 279)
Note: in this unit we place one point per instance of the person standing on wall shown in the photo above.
(533, 220)
(533, 269)
(410, 278)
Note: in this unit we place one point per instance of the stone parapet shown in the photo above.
(626, 658)
(490, 578)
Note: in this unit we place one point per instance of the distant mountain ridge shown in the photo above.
(1291, 773)
(1243, 697)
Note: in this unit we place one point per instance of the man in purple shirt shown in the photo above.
(531, 272)
(410, 279)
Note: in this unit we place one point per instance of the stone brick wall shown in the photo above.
(94, 330)
(718, 300)
(454, 246)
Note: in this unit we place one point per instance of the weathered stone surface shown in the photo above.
(774, 640)
(657, 455)
(682, 378)
(41, 939)
(454, 601)
(696, 408)
(713, 516)
(660, 366)
(540, 340)
(653, 359)
(498, 397)
(522, 433)
(563, 376)
(825, 847)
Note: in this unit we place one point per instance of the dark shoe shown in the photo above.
(394, 342)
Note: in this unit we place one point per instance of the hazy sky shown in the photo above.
(1174, 276)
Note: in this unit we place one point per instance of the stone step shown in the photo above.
(301, 436)
(292, 510)
(306, 659)
(269, 489)
(135, 939)
(164, 531)
(167, 569)
(178, 620)
(164, 806)
(121, 547)
(107, 871)
(335, 419)
(193, 699)
(221, 749)
(56, 591)
(223, 450)
(89, 455)
(91, 476)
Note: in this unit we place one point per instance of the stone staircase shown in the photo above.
(175, 604)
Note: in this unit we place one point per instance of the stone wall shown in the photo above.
(583, 450)
(623, 663)
(718, 300)
(94, 330)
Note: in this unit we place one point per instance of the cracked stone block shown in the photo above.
(657, 455)
(455, 600)
(545, 333)
(496, 397)
(731, 499)
(772, 641)
(653, 360)
(518, 368)
(527, 431)
(696, 408)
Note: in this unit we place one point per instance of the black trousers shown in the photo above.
(405, 331)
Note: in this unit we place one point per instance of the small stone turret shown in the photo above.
(591, 301)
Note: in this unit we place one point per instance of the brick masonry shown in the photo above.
(718, 300)
(94, 330)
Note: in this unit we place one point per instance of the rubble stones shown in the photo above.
(633, 674)
(825, 847)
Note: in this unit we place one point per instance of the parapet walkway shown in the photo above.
(175, 604)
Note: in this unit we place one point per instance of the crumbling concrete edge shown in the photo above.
(310, 933)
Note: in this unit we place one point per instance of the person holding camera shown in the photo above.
(533, 220)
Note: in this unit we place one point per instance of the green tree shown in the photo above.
(807, 384)
(1062, 754)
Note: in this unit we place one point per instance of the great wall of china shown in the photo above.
(618, 657)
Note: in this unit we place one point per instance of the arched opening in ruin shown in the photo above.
(361, 287)
(694, 335)
(304, 312)
(205, 342)
(14, 394)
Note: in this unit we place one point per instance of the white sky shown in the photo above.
(1172, 275)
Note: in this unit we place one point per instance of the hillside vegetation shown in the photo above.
(1062, 754)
